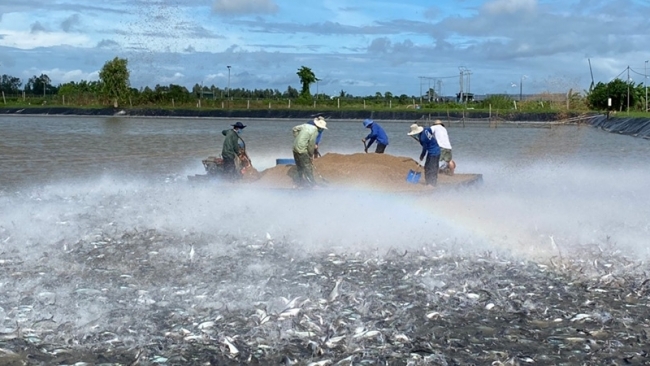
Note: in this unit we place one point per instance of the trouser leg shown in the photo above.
(431, 169)
(305, 168)
(299, 168)
(229, 168)
(380, 148)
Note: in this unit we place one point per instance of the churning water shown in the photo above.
(109, 255)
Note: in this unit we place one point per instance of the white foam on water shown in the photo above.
(576, 204)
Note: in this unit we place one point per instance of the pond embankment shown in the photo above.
(633, 126)
(509, 115)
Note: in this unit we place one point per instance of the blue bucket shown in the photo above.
(413, 176)
(285, 162)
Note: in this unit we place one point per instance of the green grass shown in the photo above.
(325, 105)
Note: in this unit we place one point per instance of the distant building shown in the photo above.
(467, 97)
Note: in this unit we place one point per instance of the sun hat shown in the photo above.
(415, 129)
(438, 122)
(320, 123)
(367, 122)
(239, 125)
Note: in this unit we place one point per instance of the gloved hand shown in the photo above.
(421, 157)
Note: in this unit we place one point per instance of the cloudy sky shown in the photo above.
(361, 46)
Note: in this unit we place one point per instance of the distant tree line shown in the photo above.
(113, 87)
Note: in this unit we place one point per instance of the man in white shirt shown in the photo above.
(441, 135)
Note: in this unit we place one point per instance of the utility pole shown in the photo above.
(228, 94)
(645, 83)
(421, 78)
(429, 87)
(462, 78)
(628, 88)
(468, 73)
(463, 71)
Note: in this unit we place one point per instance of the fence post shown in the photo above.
(3, 97)
(248, 104)
(364, 104)
(222, 105)
(269, 105)
(338, 103)
(289, 103)
(62, 97)
(173, 105)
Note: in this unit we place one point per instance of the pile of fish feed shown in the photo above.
(132, 299)
(368, 171)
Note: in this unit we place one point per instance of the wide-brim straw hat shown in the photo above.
(438, 122)
(415, 129)
(320, 123)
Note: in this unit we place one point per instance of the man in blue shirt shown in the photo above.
(430, 149)
(376, 134)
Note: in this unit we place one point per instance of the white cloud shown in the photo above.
(29, 40)
(171, 79)
(510, 6)
(59, 76)
(244, 7)
(363, 47)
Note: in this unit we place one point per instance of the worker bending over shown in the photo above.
(376, 134)
(304, 147)
(430, 149)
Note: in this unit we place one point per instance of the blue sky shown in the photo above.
(361, 47)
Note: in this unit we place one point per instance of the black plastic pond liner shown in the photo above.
(633, 126)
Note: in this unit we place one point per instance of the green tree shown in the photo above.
(114, 77)
(10, 84)
(38, 85)
(291, 92)
(616, 89)
(307, 77)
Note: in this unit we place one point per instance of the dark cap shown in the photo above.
(239, 125)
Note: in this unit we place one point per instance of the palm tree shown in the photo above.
(307, 77)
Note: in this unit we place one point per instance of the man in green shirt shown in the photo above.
(304, 146)
(230, 150)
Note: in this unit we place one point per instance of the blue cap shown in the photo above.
(367, 122)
